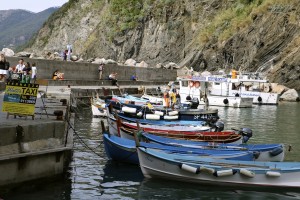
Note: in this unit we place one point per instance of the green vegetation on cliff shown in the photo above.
(230, 21)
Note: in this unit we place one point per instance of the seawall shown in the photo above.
(89, 71)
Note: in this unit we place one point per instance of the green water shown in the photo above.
(92, 176)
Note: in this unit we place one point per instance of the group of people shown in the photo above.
(171, 98)
(23, 72)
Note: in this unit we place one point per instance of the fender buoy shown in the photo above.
(276, 151)
(247, 173)
(259, 99)
(225, 101)
(197, 84)
(226, 172)
(273, 174)
(188, 168)
(256, 154)
(191, 84)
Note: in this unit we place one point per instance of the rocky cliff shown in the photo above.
(249, 35)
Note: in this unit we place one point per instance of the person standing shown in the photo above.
(19, 68)
(100, 70)
(4, 66)
(69, 47)
(26, 73)
(33, 73)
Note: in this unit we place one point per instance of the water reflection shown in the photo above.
(163, 189)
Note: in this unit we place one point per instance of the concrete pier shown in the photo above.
(34, 149)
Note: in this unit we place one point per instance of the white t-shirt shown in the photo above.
(19, 68)
(33, 72)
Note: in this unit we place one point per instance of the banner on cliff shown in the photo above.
(20, 98)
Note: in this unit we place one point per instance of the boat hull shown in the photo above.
(154, 166)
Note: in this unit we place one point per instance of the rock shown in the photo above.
(279, 89)
(80, 60)
(172, 65)
(110, 61)
(205, 73)
(290, 95)
(23, 54)
(159, 66)
(130, 62)
(90, 60)
(74, 58)
(8, 52)
(99, 61)
(142, 64)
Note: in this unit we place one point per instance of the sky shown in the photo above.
(31, 5)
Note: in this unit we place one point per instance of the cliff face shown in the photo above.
(251, 35)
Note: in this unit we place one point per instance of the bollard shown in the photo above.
(64, 102)
(59, 114)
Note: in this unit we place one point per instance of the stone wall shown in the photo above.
(89, 71)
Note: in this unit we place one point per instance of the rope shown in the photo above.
(82, 141)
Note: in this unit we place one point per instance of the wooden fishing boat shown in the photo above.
(158, 164)
(262, 152)
(124, 150)
(208, 136)
(126, 130)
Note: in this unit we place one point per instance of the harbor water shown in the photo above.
(92, 176)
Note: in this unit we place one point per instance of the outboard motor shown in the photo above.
(246, 133)
(195, 103)
(219, 126)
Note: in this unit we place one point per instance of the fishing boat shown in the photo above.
(263, 152)
(98, 107)
(129, 99)
(195, 88)
(124, 150)
(209, 171)
(182, 113)
(208, 136)
(246, 85)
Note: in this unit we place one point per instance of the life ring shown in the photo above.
(225, 101)
(259, 99)
(197, 84)
(191, 84)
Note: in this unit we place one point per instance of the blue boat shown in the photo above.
(124, 150)
(262, 152)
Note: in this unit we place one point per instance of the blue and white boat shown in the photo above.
(124, 150)
(262, 152)
(209, 171)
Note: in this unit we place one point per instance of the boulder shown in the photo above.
(99, 61)
(279, 89)
(74, 58)
(90, 60)
(159, 66)
(206, 73)
(8, 52)
(290, 95)
(80, 60)
(171, 65)
(110, 61)
(130, 62)
(142, 64)
(23, 54)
